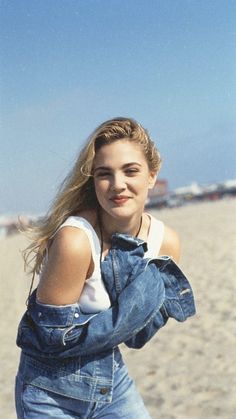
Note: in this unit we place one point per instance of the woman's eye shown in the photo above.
(131, 171)
(102, 174)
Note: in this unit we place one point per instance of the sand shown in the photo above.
(188, 370)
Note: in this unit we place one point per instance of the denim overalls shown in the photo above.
(75, 355)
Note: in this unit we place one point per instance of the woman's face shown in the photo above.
(122, 178)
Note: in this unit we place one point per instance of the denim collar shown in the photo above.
(126, 241)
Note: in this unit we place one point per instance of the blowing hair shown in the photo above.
(77, 192)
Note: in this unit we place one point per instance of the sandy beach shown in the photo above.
(188, 370)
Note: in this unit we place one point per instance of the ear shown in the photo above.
(152, 179)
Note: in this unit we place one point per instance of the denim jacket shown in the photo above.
(178, 302)
(72, 353)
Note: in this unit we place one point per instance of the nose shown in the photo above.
(118, 183)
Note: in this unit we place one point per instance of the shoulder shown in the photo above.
(171, 244)
(70, 241)
(66, 269)
(72, 236)
(162, 239)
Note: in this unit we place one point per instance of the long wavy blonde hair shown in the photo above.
(76, 192)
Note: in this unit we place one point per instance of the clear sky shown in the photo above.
(68, 65)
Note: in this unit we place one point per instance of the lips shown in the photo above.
(119, 199)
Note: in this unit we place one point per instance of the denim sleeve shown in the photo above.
(141, 338)
(178, 303)
(41, 333)
(124, 261)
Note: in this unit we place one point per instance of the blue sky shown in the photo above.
(68, 65)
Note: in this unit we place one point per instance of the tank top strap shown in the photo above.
(155, 237)
(83, 224)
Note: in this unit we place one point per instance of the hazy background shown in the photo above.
(68, 65)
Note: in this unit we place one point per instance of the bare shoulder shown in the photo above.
(70, 241)
(67, 267)
(171, 244)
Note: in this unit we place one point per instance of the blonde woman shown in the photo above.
(96, 239)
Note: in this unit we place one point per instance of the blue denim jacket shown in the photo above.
(72, 353)
(178, 302)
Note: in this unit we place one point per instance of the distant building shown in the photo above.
(159, 194)
(160, 197)
(160, 188)
(211, 192)
(9, 224)
(189, 191)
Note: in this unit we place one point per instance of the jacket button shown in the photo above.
(76, 315)
(104, 390)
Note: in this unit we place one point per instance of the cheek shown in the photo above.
(100, 187)
(141, 184)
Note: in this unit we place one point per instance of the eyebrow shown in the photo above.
(125, 166)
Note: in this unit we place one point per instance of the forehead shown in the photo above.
(119, 153)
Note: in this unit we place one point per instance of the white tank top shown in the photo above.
(94, 296)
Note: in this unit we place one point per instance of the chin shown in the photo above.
(121, 213)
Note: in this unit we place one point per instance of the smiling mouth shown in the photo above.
(120, 199)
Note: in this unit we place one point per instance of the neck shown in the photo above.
(109, 227)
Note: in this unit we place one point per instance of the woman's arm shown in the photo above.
(53, 330)
(69, 261)
(64, 331)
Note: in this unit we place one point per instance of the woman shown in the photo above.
(104, 194)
